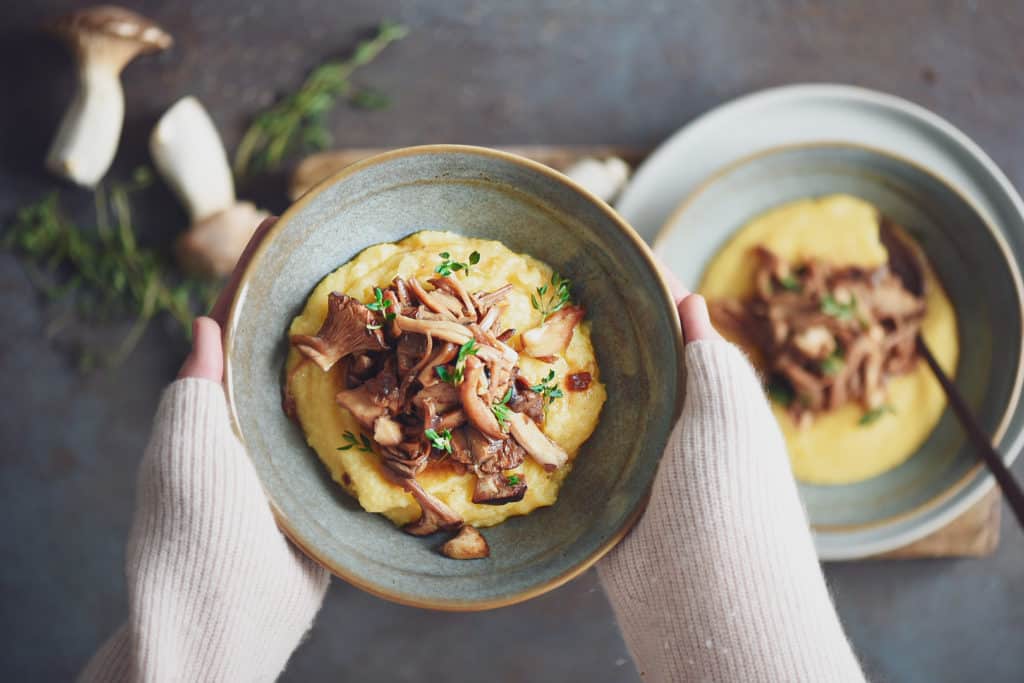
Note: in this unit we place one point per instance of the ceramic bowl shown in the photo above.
(974, 265)
(530, 208)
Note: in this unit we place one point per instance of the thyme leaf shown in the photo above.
(449, 266)
(361, 444)
(103, 274)
(442, 441)
(548, 388)
(559, 297)
(875, 414)
(299, 120)
(501, 409)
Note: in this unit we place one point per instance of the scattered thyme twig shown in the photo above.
(361, 444)
(380, 305)
(838, 310)
(559, 298)
(548, 388)
(833, 364)
(779, 391)
(104, 274)
(455, 376)
(299, 120)
(448, 266)
(501, 409)
(790, 283)
(442, 441)
(874, 414)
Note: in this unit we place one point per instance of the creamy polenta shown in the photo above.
(569, 421)
(836, 448)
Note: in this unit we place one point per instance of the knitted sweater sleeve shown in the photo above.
(720, 581)
(215, 592)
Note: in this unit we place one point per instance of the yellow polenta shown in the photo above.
(841, 229)
(570, 419)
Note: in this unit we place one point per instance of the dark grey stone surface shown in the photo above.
(486, 72)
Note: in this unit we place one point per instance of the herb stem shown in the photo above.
(299, 117)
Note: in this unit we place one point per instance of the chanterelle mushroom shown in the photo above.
(104, 39)
(189, 154)
(543, 450)
(348, 328)
(468, 544)
(555, 334)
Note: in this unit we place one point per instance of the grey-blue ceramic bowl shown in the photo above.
(530, 208)
(976, 268)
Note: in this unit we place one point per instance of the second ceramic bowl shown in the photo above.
(530, 208)
(975, 266)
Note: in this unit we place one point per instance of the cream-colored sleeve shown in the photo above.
(719, 581)
(215, 592)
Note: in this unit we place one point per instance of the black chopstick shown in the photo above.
(1009, 485)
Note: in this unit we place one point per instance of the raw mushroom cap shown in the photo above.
(111, 33)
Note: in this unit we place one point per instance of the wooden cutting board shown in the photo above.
(974, 534)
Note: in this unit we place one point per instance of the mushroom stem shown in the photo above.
(103, 39)
(189, 154)
(87, 138)
(605, 178)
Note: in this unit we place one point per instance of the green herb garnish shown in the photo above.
(371, 99)
(513, 480)
(790, 283)
(448, 266)
(442, 441)
(299, 120)
(840, 311)
(470, 348)
(103, 274)
(379, 303)
(780, 392)
(560, 296)
(548, 387)
(833, 364)
(874, 414)
(360, 444)
(501, 409)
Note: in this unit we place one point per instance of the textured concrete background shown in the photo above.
(488, 72)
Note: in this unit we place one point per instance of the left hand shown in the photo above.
(206, 361)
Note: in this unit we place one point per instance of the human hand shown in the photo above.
(215, 590)
(723, 554)
(206, 361)
(693, 310)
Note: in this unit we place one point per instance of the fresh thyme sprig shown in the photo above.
(501, 409)
(299, 120)
(468, 349)
(380, 305)
(790, 283)
(548, 388)
(361, 444)
(833, 364)
(104, 274)
(448, 266)
(838, 310)
(875, 414)
(779, 391)
(560, 296)
(442, 441)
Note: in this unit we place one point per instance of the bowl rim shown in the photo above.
(614, 219)
(1011, 265)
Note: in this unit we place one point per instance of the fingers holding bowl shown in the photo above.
(220, 309)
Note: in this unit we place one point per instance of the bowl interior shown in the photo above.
(970, 260)
(531, 209)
